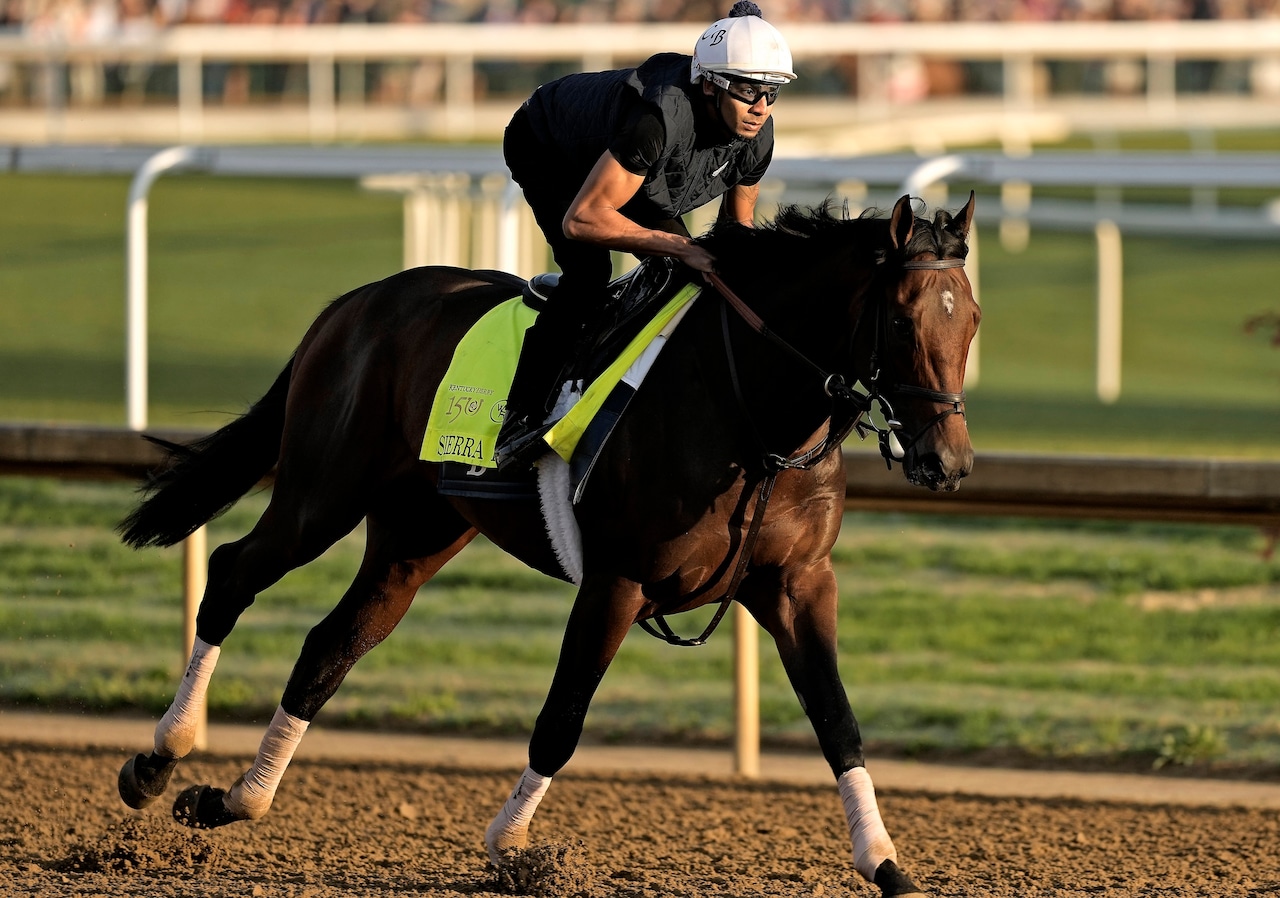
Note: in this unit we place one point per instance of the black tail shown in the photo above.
(206, 478)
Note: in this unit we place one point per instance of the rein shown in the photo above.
(859, 403)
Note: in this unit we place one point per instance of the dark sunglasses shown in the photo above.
(748, 92)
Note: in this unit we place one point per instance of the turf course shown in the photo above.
(1154, 643)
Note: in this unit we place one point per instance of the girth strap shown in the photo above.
(744, 558)
(773, 463)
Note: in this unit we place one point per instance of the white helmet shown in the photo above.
(743, 46)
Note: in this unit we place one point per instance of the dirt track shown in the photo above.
(381, 829)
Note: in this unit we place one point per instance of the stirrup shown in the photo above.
(522, 447)
(537, 290)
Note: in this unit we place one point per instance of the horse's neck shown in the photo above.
(778, 405)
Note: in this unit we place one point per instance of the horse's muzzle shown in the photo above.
(939, 470)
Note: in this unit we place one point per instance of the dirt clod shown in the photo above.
(137, 844)
(555, 869)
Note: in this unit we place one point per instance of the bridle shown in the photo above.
(892, 448)
(859, 405)
(890, 437)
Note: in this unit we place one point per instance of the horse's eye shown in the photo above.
(901, 327)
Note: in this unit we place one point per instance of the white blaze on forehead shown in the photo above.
(948, 302)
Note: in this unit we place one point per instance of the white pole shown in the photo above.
(417, 215)
(460, 94)
(1110, 293)
(746, 693)
(322, 110)
(191, 97)
(485, 223)
(136, 280)
(509, 229)
(453, 188)
(195, 571)
(935, 169)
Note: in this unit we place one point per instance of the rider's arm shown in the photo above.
(739, 204)
(594, 217)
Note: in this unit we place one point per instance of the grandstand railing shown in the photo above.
(1152, 52)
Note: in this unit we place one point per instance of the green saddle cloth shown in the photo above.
(472, 398)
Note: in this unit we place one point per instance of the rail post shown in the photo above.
(195, 572)
(746, 693)
(1110, 309)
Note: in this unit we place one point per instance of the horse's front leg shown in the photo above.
(599, 621)
(800, 615)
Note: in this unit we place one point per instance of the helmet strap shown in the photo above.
(716, 98)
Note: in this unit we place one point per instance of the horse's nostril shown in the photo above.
(932, 469)
(930, 463)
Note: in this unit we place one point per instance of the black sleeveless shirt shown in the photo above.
(581, 116)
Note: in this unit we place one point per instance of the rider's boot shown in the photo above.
(532, 393)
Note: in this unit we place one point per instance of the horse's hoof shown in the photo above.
(201, 807)
(894, 883)
(143, 779)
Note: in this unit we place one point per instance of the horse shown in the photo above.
(722, 480)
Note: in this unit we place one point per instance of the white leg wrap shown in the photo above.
(251, 796)
(871, 843)
(176, 731)
(510, 829)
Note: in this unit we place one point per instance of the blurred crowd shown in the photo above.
(93, 20)
(418, 83)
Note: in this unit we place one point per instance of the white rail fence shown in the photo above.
(1139, 61)
(452, 193)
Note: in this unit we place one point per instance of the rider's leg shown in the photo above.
(548, 347)
(585, 271)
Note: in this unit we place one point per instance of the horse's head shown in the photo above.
(885, 303)
(914, 332)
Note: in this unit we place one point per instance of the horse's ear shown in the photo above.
(902, 223)
(964, 219)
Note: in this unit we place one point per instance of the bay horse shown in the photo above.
(745, 407)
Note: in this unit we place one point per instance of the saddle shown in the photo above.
(607, 347)
(628, 304)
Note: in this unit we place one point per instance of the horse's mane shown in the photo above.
(796, 231)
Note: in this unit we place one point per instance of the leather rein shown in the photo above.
(859, 404)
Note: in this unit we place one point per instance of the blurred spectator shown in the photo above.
(65, 19)
(418, 82)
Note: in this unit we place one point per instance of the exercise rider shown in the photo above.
(611, 160)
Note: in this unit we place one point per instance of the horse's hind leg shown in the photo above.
(399, 557)
(238, 571)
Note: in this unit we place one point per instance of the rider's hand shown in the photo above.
(698, 258)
